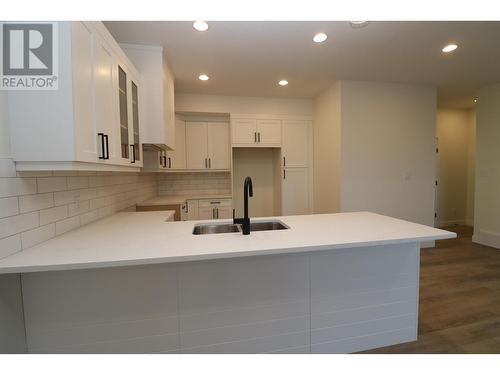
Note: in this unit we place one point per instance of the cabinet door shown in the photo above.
(196, 145)
(123, 106)
(178, 156)
(206, 213)
(135, 148)
(168, 97)
(87, 146)
(269, 132)
(218, 145)
(295, 192)
(244, 131)
(225, 212)
(192, 210)
(295, 148)
(104, 95)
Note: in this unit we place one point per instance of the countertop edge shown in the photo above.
(213, 256)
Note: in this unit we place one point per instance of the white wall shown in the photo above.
(326, 150)
(487, 194)
(387, 149)
(455, 130)
(242, 105)
(471, 168)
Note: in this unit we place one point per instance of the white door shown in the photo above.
(269, 132)
(218, 145)
(196, 145)
(178, 156)
(104, 100)
(206, 213)
(295, 148)
(244, 131)
(295, 192)
(87, 148)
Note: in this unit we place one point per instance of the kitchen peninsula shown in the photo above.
(137, 283)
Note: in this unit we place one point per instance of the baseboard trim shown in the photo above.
(487, 238)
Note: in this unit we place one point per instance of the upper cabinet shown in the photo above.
(256, 133)
(92, 121)
(157, 82)
(207, 145)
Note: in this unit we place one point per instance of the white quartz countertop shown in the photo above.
(137, 238)
(179, 199)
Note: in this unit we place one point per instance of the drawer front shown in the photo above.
(215, 203)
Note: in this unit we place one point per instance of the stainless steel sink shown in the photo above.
(215, 228)
(233, 228)
(267, 225)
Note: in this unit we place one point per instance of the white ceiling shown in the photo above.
(249, 58)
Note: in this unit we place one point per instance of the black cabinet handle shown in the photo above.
(284, 174)
(164, 161)
(107, 146)
(169, 162)
(259, 136)
(284, 161)
(209, 162)
(103, 150)
(206, 163)
(255, 137)
(133, 153)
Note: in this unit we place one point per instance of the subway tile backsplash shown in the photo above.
(190, 183)
(37, 206)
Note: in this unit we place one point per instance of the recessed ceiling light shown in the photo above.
(475, 100)
(320, 37)
(358, 24)
(449, 48)
(200, 25)
(283, 82)
(203, 77)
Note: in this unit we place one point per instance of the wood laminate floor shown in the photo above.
(459, 299)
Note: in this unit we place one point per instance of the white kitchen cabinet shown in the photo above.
(209, 209)
(244, 131)
(158, 112)
(76, 127)
(215, 209)
(207, 145)
(192, 209)
(176, 159)
(218, 145)
(256, 133)
(295, 149)
(269, 132)
(196, 145)
(295, 192)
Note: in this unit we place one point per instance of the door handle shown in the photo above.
(107, 146)
(133, 153)
(103, 151)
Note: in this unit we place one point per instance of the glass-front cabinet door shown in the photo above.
(124, 130)
(135, 124)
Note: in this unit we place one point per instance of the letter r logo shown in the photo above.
(27, 49)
